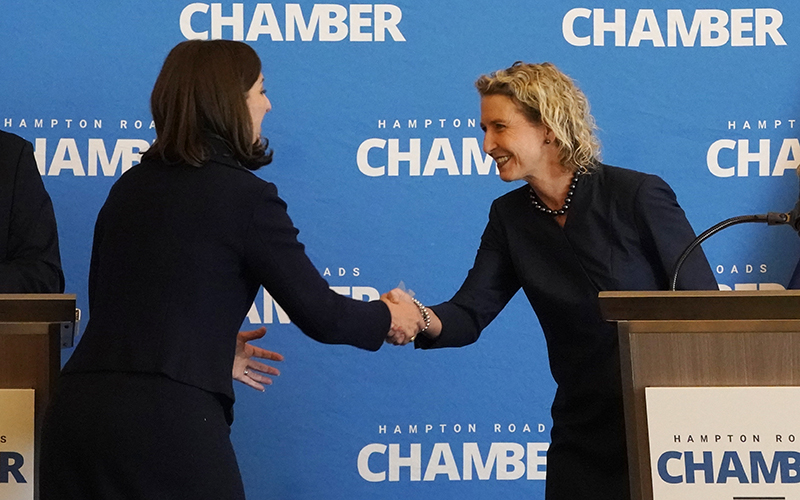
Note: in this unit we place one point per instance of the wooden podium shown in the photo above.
(33, 330)
(698, 339)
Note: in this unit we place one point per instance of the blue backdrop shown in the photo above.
(377, 153)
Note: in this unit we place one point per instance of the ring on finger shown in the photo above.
(246, 372)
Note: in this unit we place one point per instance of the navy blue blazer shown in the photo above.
(624, 231)
(794, 282)
(29, 258)
(179, 253)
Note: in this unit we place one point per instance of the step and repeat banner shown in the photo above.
(375, 128)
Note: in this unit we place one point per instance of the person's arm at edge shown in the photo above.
(34, 265)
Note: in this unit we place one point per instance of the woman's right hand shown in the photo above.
(407, 319)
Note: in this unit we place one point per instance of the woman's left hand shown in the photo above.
(245, 368)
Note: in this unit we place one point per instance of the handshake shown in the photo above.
(409, 318)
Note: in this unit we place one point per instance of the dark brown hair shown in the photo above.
(201, 93)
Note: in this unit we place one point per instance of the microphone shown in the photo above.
(791, 218)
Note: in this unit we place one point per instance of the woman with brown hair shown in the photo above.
(181, 246)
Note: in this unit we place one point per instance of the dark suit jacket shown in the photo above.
(624, 231)
(794, 283)
(179, 253)
(29, 256)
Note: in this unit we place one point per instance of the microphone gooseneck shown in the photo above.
(773, 219)
(790, 218)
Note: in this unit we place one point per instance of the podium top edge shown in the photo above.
(701, 293)
(37, 308)
(700, 305)
(37, 296)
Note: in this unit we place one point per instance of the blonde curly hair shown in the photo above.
(548, 97)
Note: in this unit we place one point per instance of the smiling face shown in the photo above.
(258, 104)
(518, 146)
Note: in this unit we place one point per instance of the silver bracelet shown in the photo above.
(424, 312)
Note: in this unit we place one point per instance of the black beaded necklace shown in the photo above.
(537, 203)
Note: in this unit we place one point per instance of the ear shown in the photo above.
(549, 135)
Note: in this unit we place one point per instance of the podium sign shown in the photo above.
(33, 328)
(16, 444)
(715, 340)
(718, 443)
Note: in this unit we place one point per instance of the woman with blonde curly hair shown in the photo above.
(574, 228)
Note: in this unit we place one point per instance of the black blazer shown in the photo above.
(624, 231)
(29, 258)
(179, 253)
